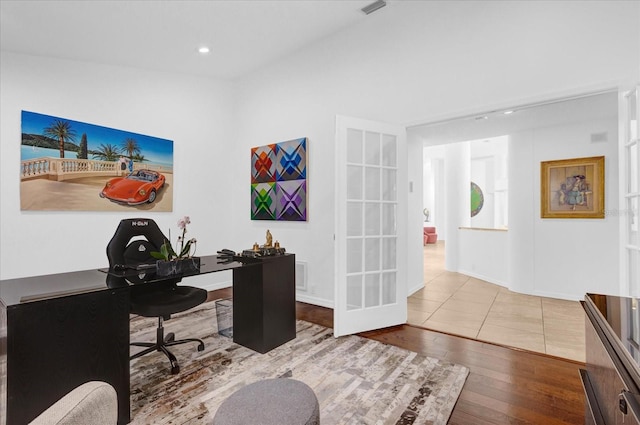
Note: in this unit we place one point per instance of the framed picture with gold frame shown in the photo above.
(572, 188)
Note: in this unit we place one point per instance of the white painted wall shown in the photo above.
(433, 189)
(572, 256)
(457, 175)
(410, 62)
(484, 254)
(195, 113)
(428, 189)
(560, 258)
(441, 213)
(415, 220)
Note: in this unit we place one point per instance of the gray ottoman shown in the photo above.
(280, 401)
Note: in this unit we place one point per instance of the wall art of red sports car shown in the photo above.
(137, 188)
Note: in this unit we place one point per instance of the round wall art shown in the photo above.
(477, 199)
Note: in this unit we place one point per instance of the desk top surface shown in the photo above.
(38, 288)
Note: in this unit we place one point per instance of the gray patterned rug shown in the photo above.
(356, 380)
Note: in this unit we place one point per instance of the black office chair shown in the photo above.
(158, 299)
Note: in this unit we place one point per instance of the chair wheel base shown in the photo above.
(162, 344)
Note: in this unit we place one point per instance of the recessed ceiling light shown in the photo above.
(508, 112)
(203, 50)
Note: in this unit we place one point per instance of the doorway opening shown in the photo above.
(578, 127)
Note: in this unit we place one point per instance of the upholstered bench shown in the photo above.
(270, 402)
(93, 402)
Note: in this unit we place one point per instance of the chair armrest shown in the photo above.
(91, 403)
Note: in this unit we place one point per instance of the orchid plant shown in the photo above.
(166, 250)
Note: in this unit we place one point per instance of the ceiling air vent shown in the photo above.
(599, 137)
(374, 6)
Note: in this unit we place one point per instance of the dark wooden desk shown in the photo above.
(59, 331)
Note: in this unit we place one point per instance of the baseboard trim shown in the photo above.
(321, 302)
(483, 277)
(414, 289)
(215, 286)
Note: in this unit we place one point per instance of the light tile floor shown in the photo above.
(462, 305)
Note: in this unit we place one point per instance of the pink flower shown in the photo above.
(182, 223)
(187, 246)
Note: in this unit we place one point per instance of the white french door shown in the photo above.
(630, 176)
(371, 216)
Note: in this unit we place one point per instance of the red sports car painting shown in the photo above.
(137, 188)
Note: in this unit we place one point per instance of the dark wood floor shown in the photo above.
(505, 386)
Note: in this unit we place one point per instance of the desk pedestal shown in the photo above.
(57, 344)
(264, 303)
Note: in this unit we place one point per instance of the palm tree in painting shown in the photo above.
(107, 152)
(62, 131)
(139, 158)
(130, 146)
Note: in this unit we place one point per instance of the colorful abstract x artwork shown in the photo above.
(279, 181)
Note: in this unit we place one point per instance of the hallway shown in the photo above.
(461, 305)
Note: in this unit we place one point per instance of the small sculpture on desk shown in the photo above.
(269, 240)
(266, 250)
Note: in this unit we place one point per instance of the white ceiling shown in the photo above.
(243, 35)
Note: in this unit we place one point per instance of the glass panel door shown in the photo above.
(368, 239)
(371, 254)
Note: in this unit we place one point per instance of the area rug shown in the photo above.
(356, 380)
